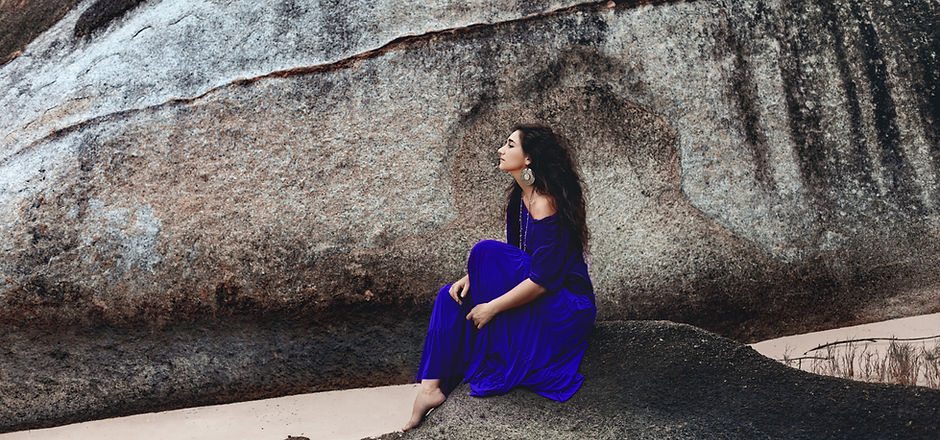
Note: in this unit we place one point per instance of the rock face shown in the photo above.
(75, 375)
(24, 20)
(658, 380)
(754, 168)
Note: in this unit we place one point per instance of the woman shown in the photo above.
(523, 313)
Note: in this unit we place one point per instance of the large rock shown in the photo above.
(754, 168)
(160, 51)
(660, 380)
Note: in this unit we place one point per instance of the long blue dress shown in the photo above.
(538, 345)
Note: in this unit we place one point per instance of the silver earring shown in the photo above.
(528, 178)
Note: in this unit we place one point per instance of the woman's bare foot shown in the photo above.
(429, 397)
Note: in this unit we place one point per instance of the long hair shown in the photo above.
(557, 174)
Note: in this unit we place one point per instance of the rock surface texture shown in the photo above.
(22, 21)
(754, 168)
(659, 380)
(74, 375)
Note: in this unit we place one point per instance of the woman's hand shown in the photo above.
(481, 314)
(458, 290)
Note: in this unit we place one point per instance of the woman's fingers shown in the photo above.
(458, 290)
(478, 316)
(463, 291)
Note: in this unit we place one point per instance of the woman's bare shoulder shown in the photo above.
(542, 206)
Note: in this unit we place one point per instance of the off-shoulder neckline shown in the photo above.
(537, 219)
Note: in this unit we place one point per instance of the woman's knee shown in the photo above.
(489, 252)
(446, 302)
(446, 310)
(482, 248)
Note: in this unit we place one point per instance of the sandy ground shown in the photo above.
(797, 345)
(376, 411)
(863, 353)
(344, 414)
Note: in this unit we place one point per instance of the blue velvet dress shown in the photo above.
(538, 345)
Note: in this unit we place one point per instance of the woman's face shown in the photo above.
(511, 156)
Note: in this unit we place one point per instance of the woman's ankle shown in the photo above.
(430, 385)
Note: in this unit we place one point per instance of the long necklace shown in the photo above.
(522, 231)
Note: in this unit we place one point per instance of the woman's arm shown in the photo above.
(523, 293)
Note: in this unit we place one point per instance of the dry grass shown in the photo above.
(902, 363)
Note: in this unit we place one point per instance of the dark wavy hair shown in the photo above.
(557, 174)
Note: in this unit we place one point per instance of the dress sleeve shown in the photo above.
(550, 257)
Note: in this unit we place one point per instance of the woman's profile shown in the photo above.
(522, 314)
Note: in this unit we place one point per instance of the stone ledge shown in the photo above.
(659, 380)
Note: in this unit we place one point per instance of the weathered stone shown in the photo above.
(100, 13)
(22, 21)
(754, 168)
(172, 49)
(659, 380)
(69, 375)
(726, 188)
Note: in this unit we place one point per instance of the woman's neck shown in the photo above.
(527, 193)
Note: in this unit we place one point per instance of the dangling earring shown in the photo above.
(528, 178)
